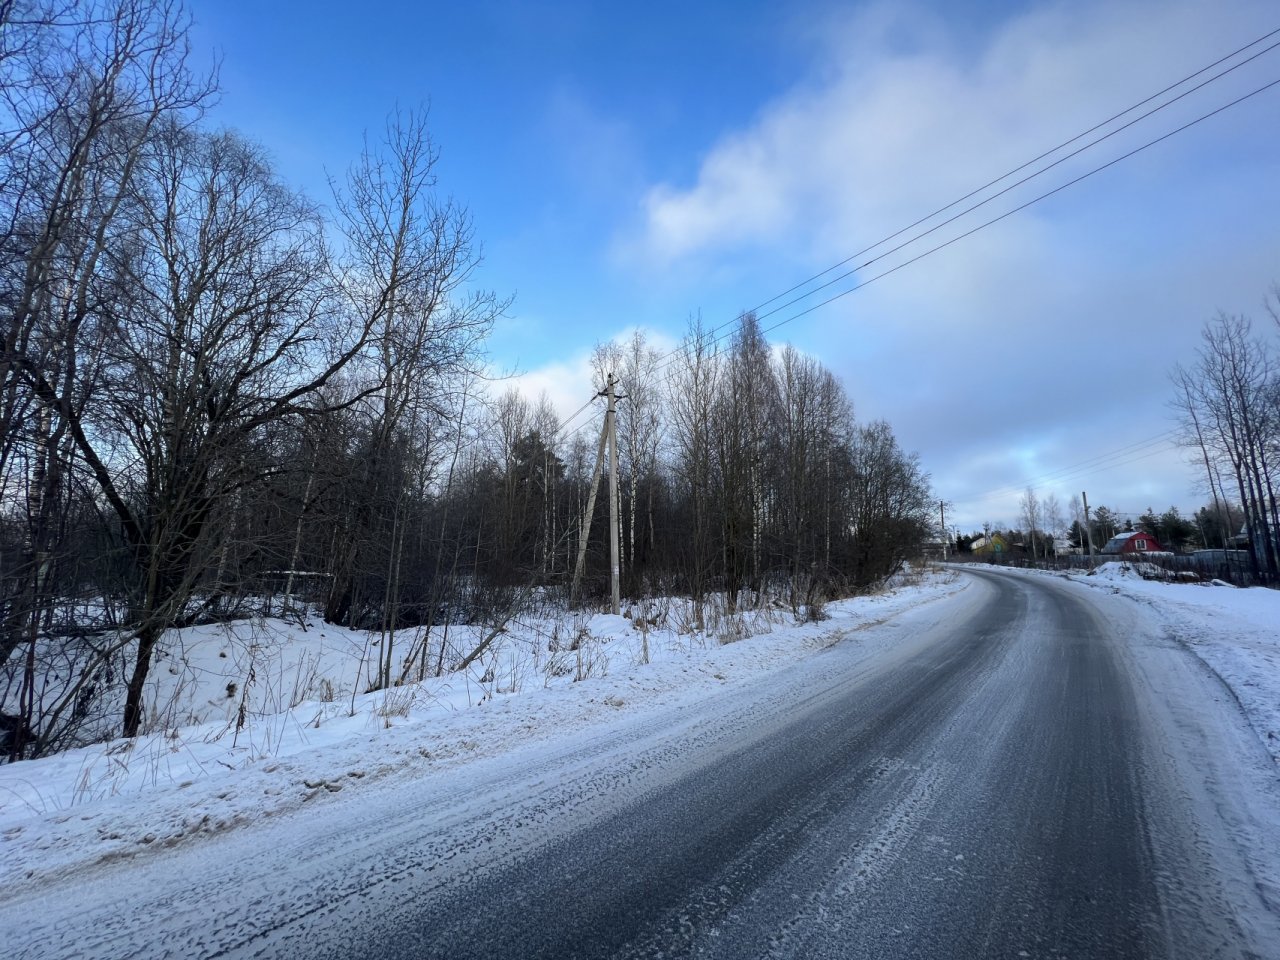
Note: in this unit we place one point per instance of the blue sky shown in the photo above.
(628, 165)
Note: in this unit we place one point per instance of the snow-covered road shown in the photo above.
(1023, 768)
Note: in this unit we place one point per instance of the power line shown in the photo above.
(1123, 456)
(1042, 156)
(1105, 461)
(1009, 188)
(571, 417)
(1017, 209)
(1009, 213)
(713, 336)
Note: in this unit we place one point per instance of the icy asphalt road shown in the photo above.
(1023, 770)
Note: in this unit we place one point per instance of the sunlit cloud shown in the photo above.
(888, 131)
(1024, 329)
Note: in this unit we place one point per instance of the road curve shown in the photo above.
(991, 794)
(1008, 778)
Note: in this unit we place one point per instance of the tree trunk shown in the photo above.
(133, 706)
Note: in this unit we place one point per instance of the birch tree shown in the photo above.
(1228, 406)
(83, 89)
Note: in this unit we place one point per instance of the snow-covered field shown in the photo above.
(259, 717)
(296, 725)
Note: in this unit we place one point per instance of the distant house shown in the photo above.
(1134, 541)
(987, 546)
(934, 550)
(1065, 548)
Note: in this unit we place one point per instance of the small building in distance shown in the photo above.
(934, 550)
(1134, 541)
(993, 545)
(1063, 547)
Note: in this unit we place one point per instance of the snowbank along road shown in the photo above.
(1023, 769)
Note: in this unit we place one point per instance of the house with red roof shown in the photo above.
(1133, 541)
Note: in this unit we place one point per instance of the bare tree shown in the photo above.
(409, 258)
(695, 384)
(83, 89)
(218, 330)
(221, 341)
(747, 409)
(890, 508)
(1228, 405)
(1029, 508)
(1051, 513)
(1194, 435)
(814, 419)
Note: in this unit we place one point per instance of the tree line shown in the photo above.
(180, 327)
(218, 397)
(1044, 529)
(1227, 401)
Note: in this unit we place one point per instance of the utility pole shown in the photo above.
(609, 439)
(585, 536)
(942, 508)
(1088, 530)
(611, 428)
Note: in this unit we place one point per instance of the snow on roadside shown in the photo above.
(1234, 631)
(115, 800)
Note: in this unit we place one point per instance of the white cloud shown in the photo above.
(1061, 320)
(567, 383)
(882, 137)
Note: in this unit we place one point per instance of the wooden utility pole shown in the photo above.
(609, 438)
(1088, 530)
(942, 508)
(585, 536)
(611, 429)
